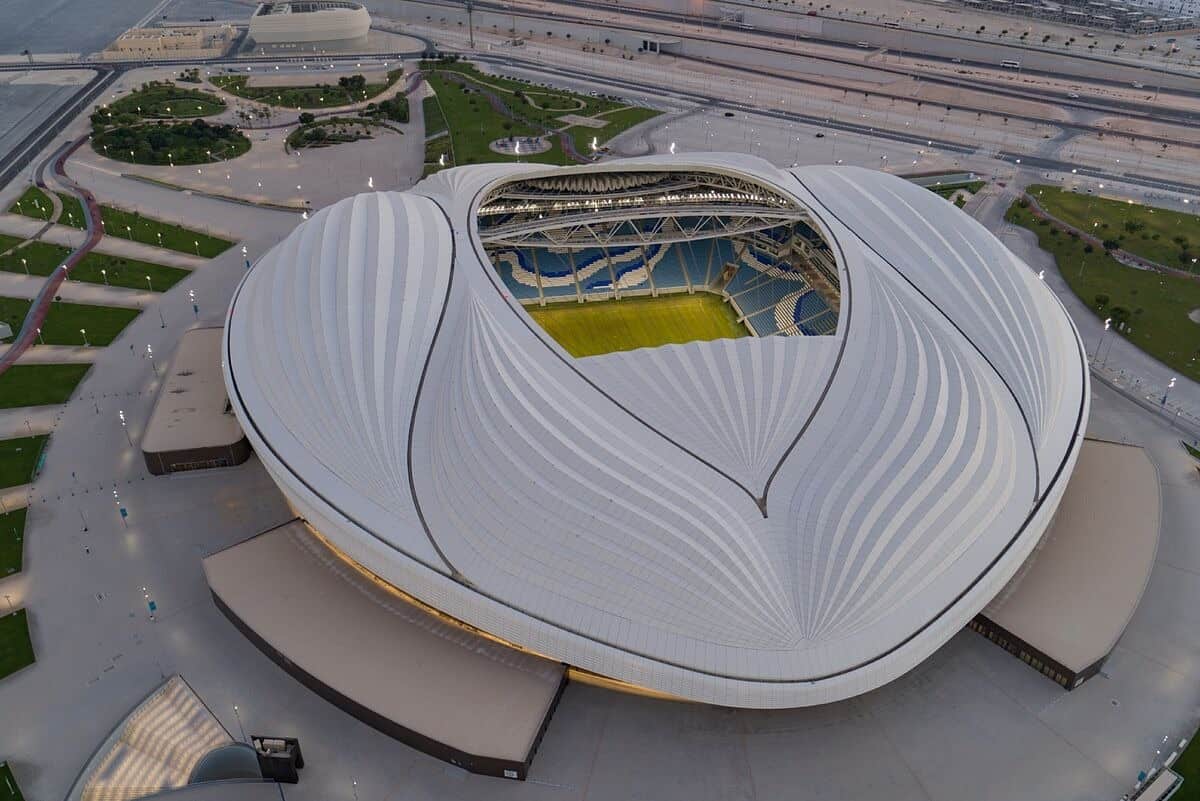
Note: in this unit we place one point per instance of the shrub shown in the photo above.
(306, 118)
(1101, 301)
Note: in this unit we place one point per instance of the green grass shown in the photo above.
(1195, 454)
(1157, 304)
(618, 121)
(1155, 231)
(42, 258)
(606, 326)
(1188, 766)
(39, 384)
(165, 99)
(33, 202)
(18, 458)
(947, 190)
(61, 326)
(9, 791)
(174, 237)
(143, 229)
(475, 125)
(195, 142)
(435, 121)
(12, 541)
(16, 651)
(313, 96)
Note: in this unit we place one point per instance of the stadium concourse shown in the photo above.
(790, 510)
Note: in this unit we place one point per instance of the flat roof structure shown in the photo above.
(419, 677)
(1076, 593)
(192, 425)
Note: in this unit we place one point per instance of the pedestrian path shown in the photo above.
(57, 354)
(19, 285)
(28, 421)
(15, 497)
(27, 228)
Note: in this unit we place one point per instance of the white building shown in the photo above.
(765, 521)
(310, 21)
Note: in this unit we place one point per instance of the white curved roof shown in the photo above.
(763, 522)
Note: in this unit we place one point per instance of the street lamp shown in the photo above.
(149, 283)
(83, 333)
(104, 274)
(25, 264)
(150, 356)
(121, 414)
(1170, 384)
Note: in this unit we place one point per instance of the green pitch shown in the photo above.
(590, 329)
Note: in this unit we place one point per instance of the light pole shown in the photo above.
(83, 333)
(238, 715)
(1100, 341)
(104, 275)
(195, 305)
(25, 264)
(150, 356)
(1170, 384)
(121, 414)
(40, 340)
(149, 283)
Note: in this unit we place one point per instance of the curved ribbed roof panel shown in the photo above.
(753, 522)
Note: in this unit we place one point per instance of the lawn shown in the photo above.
(18, 458)
(1170, 238)
(164, 99)
(61, 326)
(42, 258)
(131, 225)
(195, 142)
(12, 541)
(1155, 305)
(1188, 766)
(435, 121)
(16, 651)
(946, 190)
(9, 791)
(476, 124)
(593, 328)
(39, 384)
(618, 121)
(33, 203)
(1193, 452)
(349, 90)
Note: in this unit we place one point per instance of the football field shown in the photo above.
(590, 329)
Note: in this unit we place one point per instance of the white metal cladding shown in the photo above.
(762, 522)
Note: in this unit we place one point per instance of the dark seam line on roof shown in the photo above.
(1037, 480)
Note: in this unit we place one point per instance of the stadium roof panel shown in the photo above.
(765, 521)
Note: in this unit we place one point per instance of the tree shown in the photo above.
(306, 118)
(1101, 301)
(1110, 245)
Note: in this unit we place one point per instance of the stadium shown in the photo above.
(691, 425)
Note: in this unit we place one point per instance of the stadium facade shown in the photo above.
(863, 427)
(309, 22)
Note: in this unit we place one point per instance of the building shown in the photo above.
(861, 424)
(192, 41)
(192, 426)
(308, 24)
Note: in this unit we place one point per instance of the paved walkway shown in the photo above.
(19, 285)
(26, 422)
(16, 225)
(57, 354)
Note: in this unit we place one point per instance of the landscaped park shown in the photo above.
(1158, 310)
(485, 108)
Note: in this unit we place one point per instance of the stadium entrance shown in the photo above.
(611, 261)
